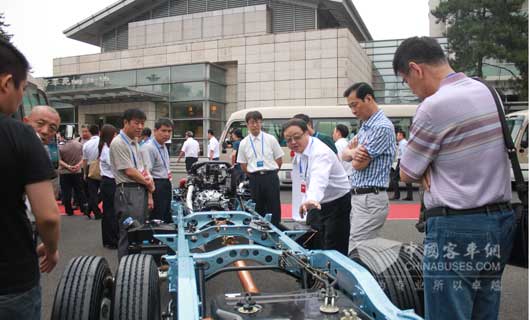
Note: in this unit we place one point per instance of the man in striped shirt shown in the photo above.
(371, 152)
(456, 149)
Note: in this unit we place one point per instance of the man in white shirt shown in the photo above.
(260, 156)
(190, 151)
(325, 187)
(90, 154)
(339, 136)
(402, 146)
(213, 146)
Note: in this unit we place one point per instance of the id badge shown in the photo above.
(259, 164)
(303, 187)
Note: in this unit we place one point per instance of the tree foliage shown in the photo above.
(3, 32)
(483, 29)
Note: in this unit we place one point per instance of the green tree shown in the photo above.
(3, 25)
(482, 29)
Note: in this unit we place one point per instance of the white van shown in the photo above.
(325, 118)
(518, 127)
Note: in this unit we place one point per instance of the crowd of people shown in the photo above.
(342, 184)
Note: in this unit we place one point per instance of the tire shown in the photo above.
(398, 270)
(136, 290)
(81, 293)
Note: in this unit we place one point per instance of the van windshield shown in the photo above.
(514, 125)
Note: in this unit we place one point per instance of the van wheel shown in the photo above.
(398, 270)
(84, 290)
(136, 293)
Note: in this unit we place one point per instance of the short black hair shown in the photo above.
(163, 122)
(146, 132)
(238, 133)
(253, 115)
(362, 89)
(400, 131)
(131, 114)
(419, 50)
(210, 131)
(304, 117)
(189, 133)
(13, 62)
(342, 129)
(297, 122)
(94, 129)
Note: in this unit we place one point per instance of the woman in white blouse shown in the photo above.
(109, 223)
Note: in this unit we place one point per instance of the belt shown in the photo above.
(107, 178)
(446, 211)
(130, 185)
(263, 172)
(366, 190)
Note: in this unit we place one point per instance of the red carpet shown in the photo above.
(397, 211)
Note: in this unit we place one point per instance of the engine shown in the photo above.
(210, 188)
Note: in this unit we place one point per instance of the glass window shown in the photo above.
(217, 92)
(162, 110)
(152, 76)
(158, 89)
(187, 91)
(181, 110)
(524, 138)
(120, 79)
(274, 127)
(238, 125)
(514, 125)
(217, 127)
(67, 115)
(181, 126)
(217, 110)
(217, 74)
(327, 126)
(190, 72)
(402, 124)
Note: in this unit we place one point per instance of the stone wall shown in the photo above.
(300, 68)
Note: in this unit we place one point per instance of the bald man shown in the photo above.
(45, 120)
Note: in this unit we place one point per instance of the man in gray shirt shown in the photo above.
(456, 150)
(133, 180)
(155, 153)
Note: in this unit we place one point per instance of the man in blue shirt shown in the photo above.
(371, 151)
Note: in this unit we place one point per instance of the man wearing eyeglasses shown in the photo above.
(324, 187)
(371, 151)
(260, 156)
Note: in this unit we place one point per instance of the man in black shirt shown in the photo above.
(25, 168)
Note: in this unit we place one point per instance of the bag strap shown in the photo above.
(520, 185)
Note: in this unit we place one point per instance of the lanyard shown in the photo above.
(316, 134)
(130, 148)
(262, 147)
(306, 165)
(158, 146)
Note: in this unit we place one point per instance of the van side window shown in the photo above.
(326, 126)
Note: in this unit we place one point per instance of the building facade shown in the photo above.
(197, 61)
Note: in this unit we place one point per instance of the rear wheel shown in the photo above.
(397, 269)
(136, 293)
(84, 290)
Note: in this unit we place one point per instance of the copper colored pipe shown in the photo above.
(246, 278)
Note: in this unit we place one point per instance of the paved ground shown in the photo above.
(80, 236)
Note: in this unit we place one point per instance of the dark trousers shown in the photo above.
(395, 184)
(129, 201)
(93, 196)
(265, 191)
(109, 224)
(189, 162)
(332, 223)
(162, 201)
(69, 182)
